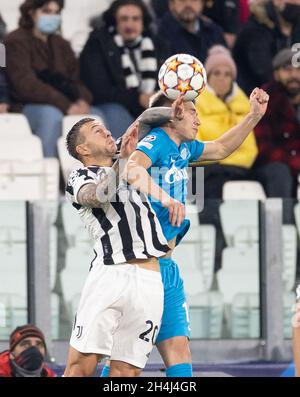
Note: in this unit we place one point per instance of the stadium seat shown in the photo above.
(195, 257)
(198, 245)
(67, 162)
(239, 213)
(54, 316)
(289, 235)
(193, 216)
(76, 20)
(207, 253)
(244, 318)
(73, 226)
(13, 271)
(14, 124)
(206, 315)
(240, 221)
(240, 224)
(187, 255)
(13, 221)
(13, 313)
(243, 190)
(73, 276)
(10, 13)
(53, 256)
(26, 148)
(24, 173)
(239, 272)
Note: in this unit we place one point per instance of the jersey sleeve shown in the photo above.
(153, 146)
(196, 149)
(77, 179)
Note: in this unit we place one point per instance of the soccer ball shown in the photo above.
(182, 73)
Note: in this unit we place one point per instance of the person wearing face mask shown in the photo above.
(26, 355)
(43, 72)
(272, 26)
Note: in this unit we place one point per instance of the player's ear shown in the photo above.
(82, 150)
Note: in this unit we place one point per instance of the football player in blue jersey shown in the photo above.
(159, 168)
(169, 149)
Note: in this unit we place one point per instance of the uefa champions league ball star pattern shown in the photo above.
(182, 73)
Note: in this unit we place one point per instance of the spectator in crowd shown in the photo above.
(272, 26)
(226, 14)
(4, 96)
(187, 30)
(120, 63)
(220, 107)
(278, 134)
(43, 73)
(26, 354)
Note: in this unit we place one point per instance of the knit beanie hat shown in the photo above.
(219, 55)
(23, 332)
(283, 58)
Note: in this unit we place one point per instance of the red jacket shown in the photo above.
(278, 133)
(6, 369)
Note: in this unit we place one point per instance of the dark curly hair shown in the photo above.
(109, 16)
(26, 21)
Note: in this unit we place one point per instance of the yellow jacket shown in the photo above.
(218, 117)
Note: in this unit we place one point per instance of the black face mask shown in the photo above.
(291, 13)
(30, 359)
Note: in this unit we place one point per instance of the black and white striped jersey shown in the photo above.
(123, 229)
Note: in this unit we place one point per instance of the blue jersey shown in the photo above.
(169, 170)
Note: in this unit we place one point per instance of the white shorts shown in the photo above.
(119, 313)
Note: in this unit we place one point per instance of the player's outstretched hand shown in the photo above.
(176, 210)
(130, 140)
(178, 108)
(259, 102)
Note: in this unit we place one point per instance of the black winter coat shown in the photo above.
(256, 46)
(102, 72)
(182, 41)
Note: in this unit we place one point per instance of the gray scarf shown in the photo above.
(23, 373)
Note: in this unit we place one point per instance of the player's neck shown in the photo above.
(173, 135)
(101, 162)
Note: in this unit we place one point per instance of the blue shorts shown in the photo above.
(175, 320)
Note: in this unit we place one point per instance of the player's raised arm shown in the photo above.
(232, 139)
(136, 174)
